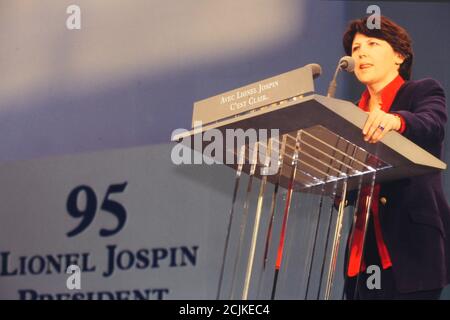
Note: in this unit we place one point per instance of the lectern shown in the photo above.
(296, 156)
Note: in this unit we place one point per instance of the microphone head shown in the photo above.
(347, 63)
(316, 69)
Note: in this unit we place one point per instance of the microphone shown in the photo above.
(316, 69)
(346, 63)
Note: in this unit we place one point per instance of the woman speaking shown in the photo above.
(408, 234)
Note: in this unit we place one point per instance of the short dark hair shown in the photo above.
(390, 32)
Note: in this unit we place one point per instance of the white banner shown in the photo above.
(130, 223)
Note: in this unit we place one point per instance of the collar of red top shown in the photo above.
(387, 95)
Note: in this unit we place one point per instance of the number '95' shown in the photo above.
(87, 212)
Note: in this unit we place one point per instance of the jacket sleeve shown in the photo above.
(425, 121)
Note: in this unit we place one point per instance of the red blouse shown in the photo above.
(387, 97)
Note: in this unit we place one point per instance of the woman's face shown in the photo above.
(375, 60)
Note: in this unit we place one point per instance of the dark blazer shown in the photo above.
(415, 219)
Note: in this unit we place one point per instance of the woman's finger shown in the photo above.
(374, 125)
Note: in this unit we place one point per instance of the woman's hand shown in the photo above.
(378, 124)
